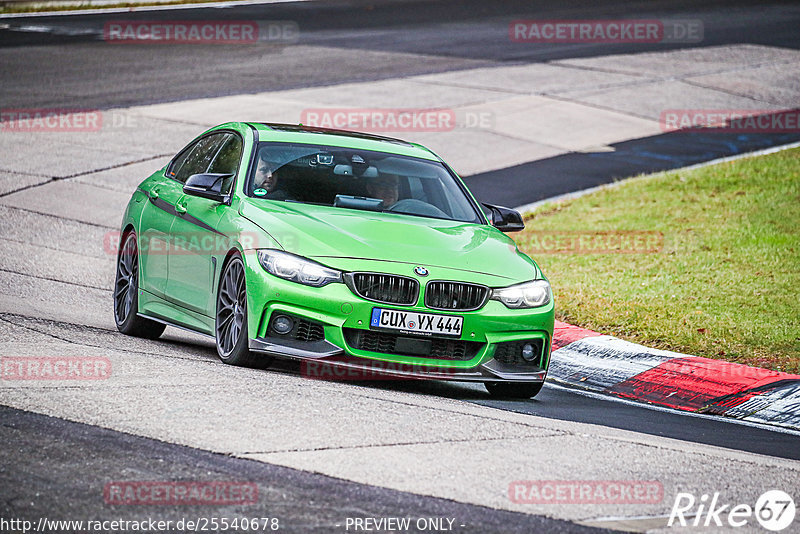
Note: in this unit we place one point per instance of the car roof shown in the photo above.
(299, 133)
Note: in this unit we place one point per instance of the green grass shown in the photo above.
(726, 282)
(36, 7)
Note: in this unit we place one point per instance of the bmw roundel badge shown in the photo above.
(421, 271)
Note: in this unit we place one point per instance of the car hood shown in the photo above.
(337, 236)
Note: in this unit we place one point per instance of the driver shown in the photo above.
(267, 179)
(385, 188)
(264, 178)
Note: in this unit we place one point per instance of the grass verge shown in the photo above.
(703, 262)
(39, 7)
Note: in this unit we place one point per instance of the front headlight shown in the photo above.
(297, 269)
(526, 295)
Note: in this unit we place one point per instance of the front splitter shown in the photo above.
(324, 360)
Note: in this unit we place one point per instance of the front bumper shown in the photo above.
(341, 313)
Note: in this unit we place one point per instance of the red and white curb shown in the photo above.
(606, 364)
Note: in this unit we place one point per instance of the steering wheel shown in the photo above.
(412, 206)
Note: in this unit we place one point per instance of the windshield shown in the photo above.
(358, 179)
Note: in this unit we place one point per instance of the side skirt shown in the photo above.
(164, 311)
(176, 325)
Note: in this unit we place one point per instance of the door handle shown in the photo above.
(153, 194)
(180, 209)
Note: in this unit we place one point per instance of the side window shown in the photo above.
(178, 162)
(196, 159)
(227, 160)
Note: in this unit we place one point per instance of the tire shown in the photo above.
(126, 294)
(230, 325)
(513, 390)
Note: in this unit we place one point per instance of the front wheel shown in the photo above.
(231, 320)
(513, 390)
(126, 294)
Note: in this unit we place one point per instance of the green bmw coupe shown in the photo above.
(356, 253)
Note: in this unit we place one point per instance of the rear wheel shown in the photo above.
(231, 319)
(126, 294)
(513, 390)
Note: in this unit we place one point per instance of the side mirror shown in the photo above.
(208, 185)
(505, 219)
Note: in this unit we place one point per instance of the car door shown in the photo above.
(163, 193)
(159, 213)
(198, 248)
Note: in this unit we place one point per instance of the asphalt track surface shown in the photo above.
(341, 41)
(560, 403)
(557, 402)
(40, 452)
(577, 171)
(362, 41)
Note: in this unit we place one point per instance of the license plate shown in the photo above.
(417, 323)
